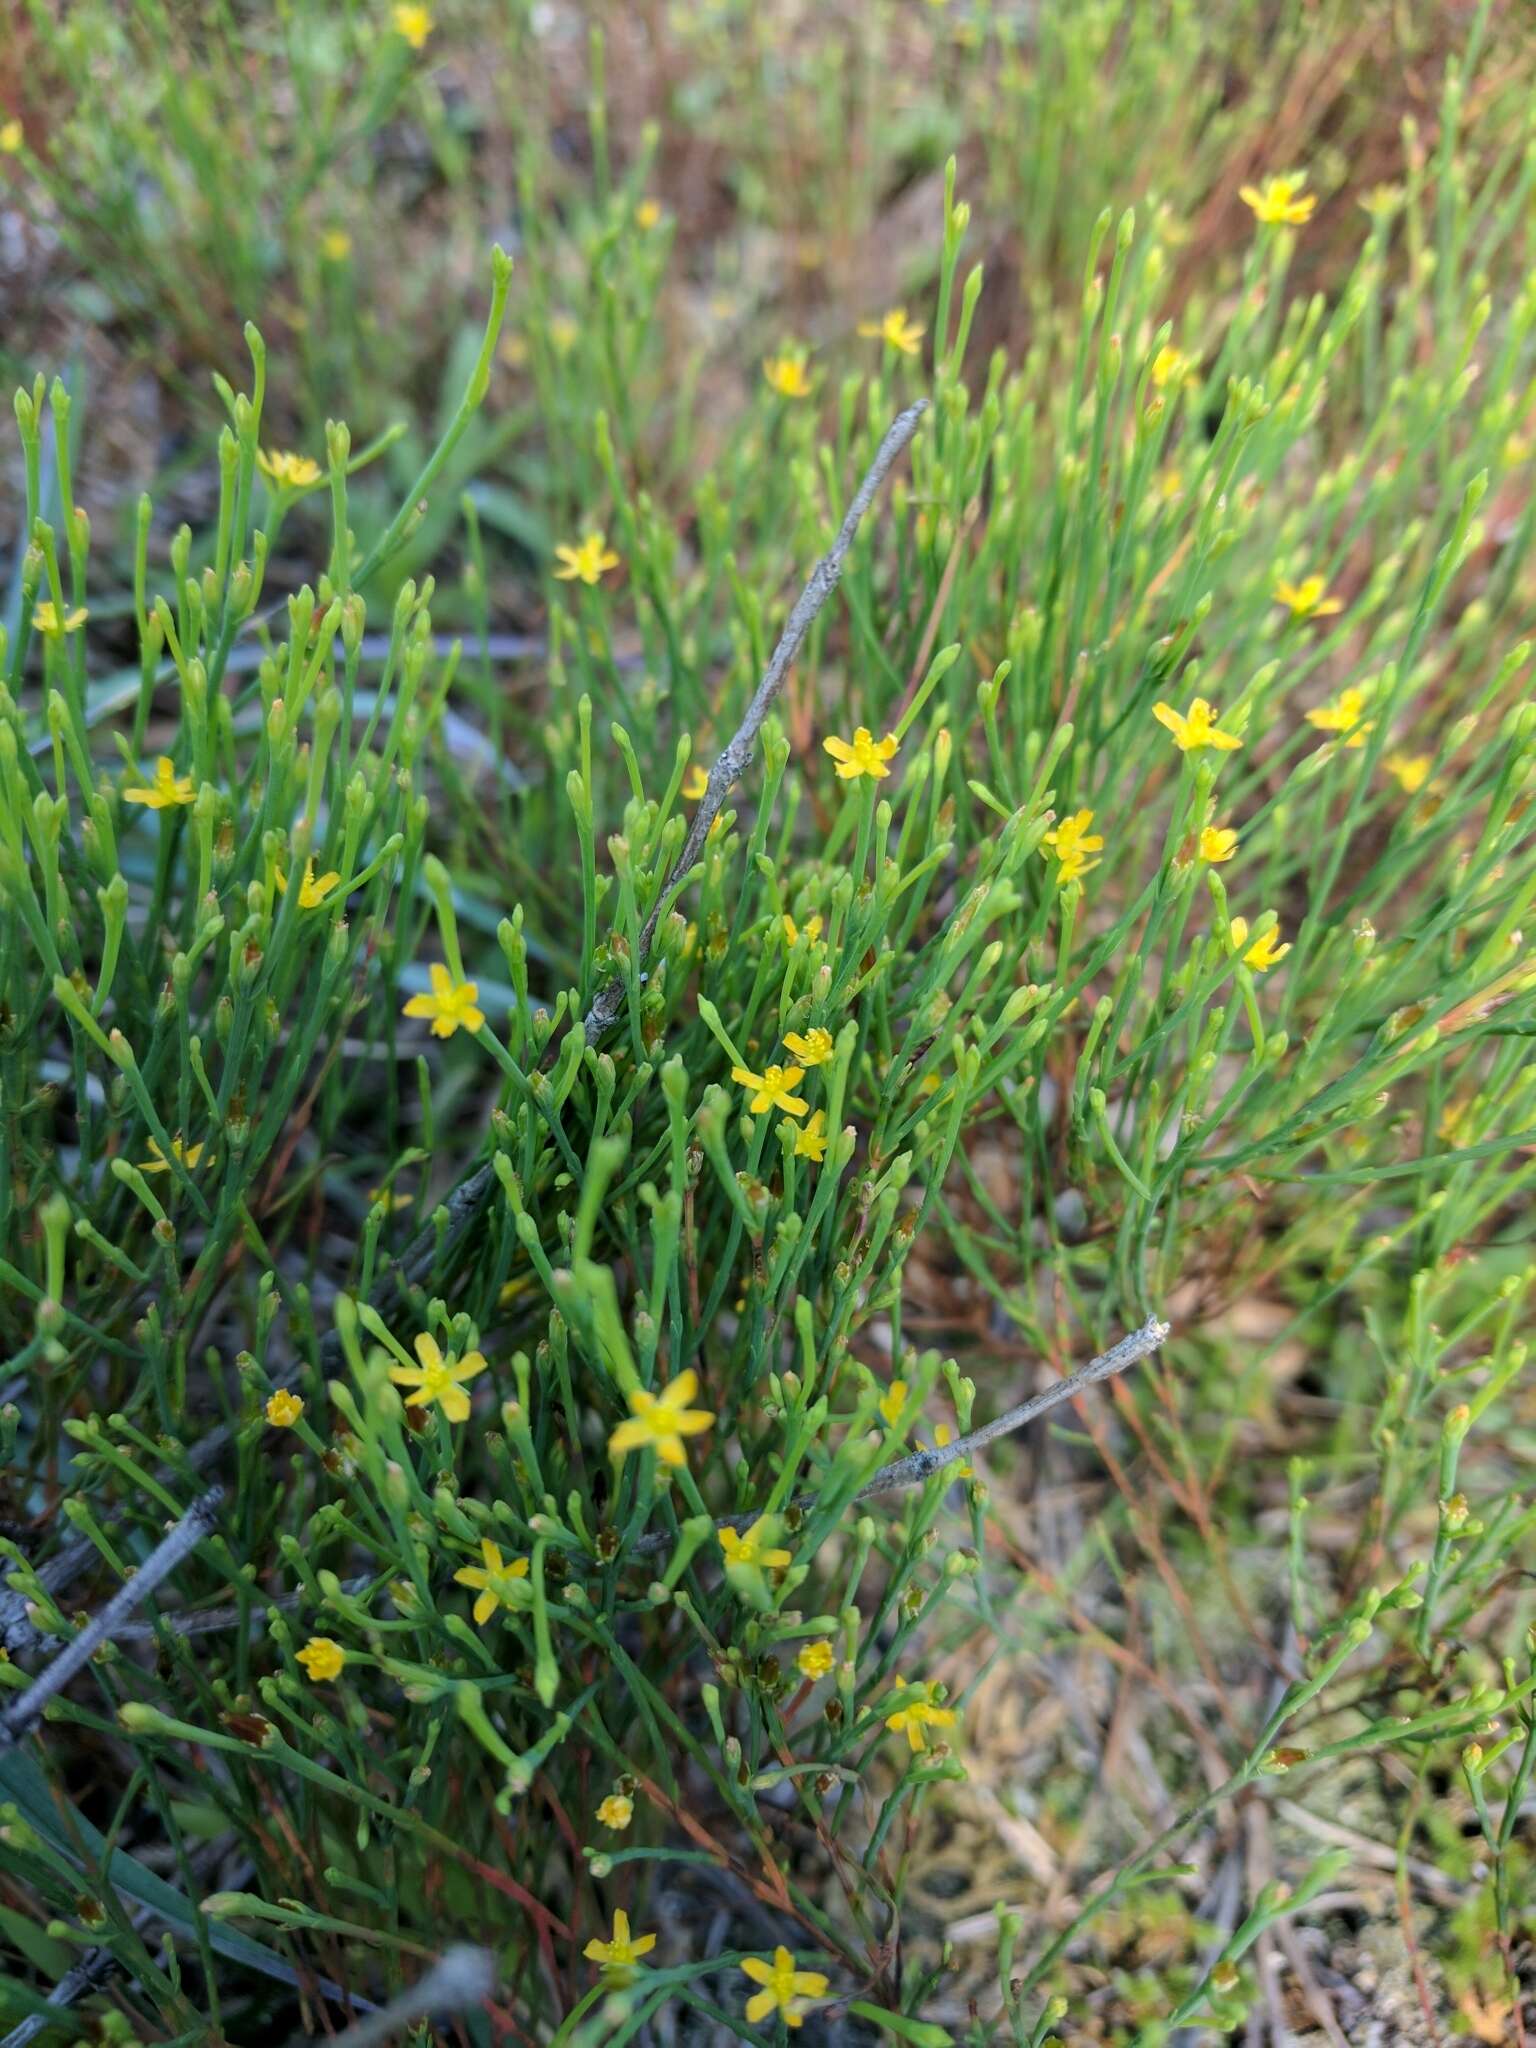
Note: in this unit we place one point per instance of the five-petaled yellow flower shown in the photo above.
(917, 1714)
(1217, 843)
(695, 781)
(1281, 202)
(647, 214)
(322, 1658)
(168, 788)
(1196, 728)
(450, 1005)
(284, 1409)
(893, 1401)
(1263, 953)
(588, 562)
(811, 1048)
(1346, 715)
(495, 1577)
(12, 136)
(811, 1138)
(659, 1422)
(48, 619)
(616, 1811)
(336, 245)
(439, 1377)
(414, 23)
(815, 1660)
(623, 1950)
(743, 1549)
(773, 1089)
(287, 472)
(786, 373)
(1410, 771)
(811, 928)
(784, 1987)
(1071, 841)
(184, 1155)
(862, 755)
(1170, 366)
(895, 329)
(313, 888)
(1308, 599)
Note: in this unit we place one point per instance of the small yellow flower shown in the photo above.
(784, 1987)
(895, 329)
(863, 755)
(616, 1811)
(786, 373)
(773, 1089)
(743, 1549)
(414, 23)
(588, 562)
(1344, 715)
(1197, 728)
(1411, 771)
(622, 1950)
(185, 1155)
(1382, 201)
(284, 1409)
(12, 136)
(811, 1048)
(322, 1659)
(168, 788)
(48, 619)
(1308, 599)
(942, 1435)
(647, 214)
(451, 1004)
(1071, 842)
(811, 1138)
(815, 1661)
(1263, 953)
(313, 889)
(1170, 366)
(811, 928)
(893, 1401)
(335, 245)
(695, 782)
(495, 1577)
(564, 333)
(917, 1714)
(1281, 202)
(659, 1422)
(1217, 843)
(438, 1377)
(287, 472)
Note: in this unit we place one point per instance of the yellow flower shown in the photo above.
(284, 1409)
(564, 333)
(450, 1005)
(1308, 599)
(659, 1422)
(695, 781)
(811, 928)
(12, 136)
(48, 619)
(783, 1987)
(811, 1138)
(313, 890)
(168, 788)
(811, 1048)
(185, 1155)
(942, 1435)
(1170, 366)
(336, 245)
(895, 329)
(918, 1713)
(619, 1953)
(287, 472)
(1344, 715)
(773, 1089)
(414, 23)
(438, 1377)
(1281, 202)
(495, 1577)
(1071, 842)
(1411, 771)
(863, 755)
(1217, 843)
(815, 1660)
(647, 214)
(1263, 953)
(322, 1659)
(741, 1549)
(786, 374)
(589, 561)
(617, 1810)
(893, 1401)
(1382, 201)
(1198, 728)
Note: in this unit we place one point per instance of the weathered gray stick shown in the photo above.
(462, 1978)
